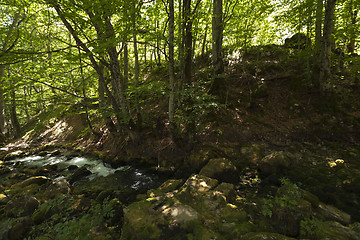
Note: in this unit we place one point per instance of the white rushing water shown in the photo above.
(127, 175)
(95, 166)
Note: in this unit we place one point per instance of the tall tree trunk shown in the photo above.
(325, 59)
(318, 24)
(181, 58)
(187, 41)
(218, 86)
(126, 65)
(318, 45)
(353, 20)
(204, 40)
(103, 102)
(14, 119)
(171, 62)
(2, 101)
(137, 67)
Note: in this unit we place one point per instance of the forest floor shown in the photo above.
(272, 130)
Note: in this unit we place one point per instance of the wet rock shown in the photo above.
(17, 176)
(79, 174)
(15, 229)
(332, 213)
(39, 180)
(22, 205)
(265, 236)
(221, 169)
(336, 231)
(4, 170)
(57, 188)
(274, 163)
(355, 227)
(72, 167)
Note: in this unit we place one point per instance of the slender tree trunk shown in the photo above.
(218, 85)
(171, 62)
(137, 67)
(2, 101)
(318, 24)
(188, 41)
(318, 45)
(325, 60)
(204, 40)
(181, 58)
(126, 66)
(353, 20)
(13, 115)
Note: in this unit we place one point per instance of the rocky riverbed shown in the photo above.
(61, 194)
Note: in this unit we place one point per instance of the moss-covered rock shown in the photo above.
(265, 236)
(21, 205)
(336, 231)
(15, 229)
(201, 209)
(274, 163)
(221, 169)
(332, 213)
(39, 180)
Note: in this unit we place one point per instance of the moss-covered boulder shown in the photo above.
(274, 163)
(332, 213)
(265, 236)
(39, 180)
(200, 209)
(21, 205)
(336, 231)
(221, 169)
(15, 229)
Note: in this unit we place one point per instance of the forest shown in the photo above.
(180, 119)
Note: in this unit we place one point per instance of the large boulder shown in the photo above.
(265, 236)
(335, 231)
(39, 180)
(15, 229)
(21, 205)
(200, 209)
(79, 174)
(221, 169)
(274, 163)
(57, 188)
(332, 213)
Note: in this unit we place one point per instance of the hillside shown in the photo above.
(275, 160)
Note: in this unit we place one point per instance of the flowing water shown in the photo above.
(127, 176)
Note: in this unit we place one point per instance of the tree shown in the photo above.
(171, 62)
(325, 57)
(218, 86)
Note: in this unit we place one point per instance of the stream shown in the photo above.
(124, 176)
